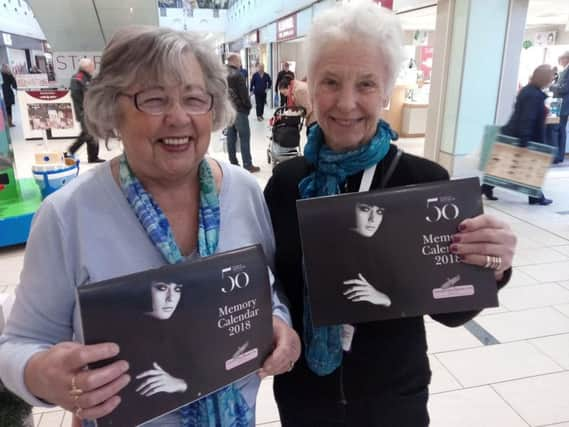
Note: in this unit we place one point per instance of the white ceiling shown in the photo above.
(86, 25)
(540, 13)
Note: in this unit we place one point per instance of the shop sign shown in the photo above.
(388, 4)
(66, 64)
(286, 28)
(7, 39)
(253, 37)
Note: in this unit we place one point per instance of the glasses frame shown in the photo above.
(134, 97)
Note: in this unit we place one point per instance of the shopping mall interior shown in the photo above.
(464, 63)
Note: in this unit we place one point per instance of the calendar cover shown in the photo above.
(506, 164)
(386, 254)
(186, 330)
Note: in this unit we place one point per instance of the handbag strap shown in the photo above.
(368, 174)
(385, 178)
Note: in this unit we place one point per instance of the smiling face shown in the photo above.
(347, 88)
(165, 299)
(368, 219)
(168, 146)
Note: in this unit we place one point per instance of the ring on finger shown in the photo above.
(488, 262)
(77, 412)
(75, 391)
(291, 366)
(496, 262)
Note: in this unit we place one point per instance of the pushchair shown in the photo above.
(286, 125)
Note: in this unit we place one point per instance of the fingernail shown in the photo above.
(454, 248)
(456, 238)
(114, 349)
(461, 227)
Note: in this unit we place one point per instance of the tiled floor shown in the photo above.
(521, 381)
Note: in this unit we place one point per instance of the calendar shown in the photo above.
(506, 164)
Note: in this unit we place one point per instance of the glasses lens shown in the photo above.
(152, 101)
(156, 101)
(196, 102)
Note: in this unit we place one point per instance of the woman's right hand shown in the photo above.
(49, 375)
(362, 291)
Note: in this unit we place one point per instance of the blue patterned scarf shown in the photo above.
(323, 346)
(226, 407)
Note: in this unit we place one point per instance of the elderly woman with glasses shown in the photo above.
(374, 373)
(161, 202)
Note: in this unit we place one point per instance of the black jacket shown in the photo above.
(528, 119)
(238, 92)
(388, 361)
(79, 84)
(8, 83)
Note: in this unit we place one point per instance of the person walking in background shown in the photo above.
(285, 73)
(8, 83)
(528, 121)
(561, 90)
(260, 83)
(79, 85)
(239, 97)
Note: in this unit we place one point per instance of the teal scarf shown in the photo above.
(323, 346)
(226, 407)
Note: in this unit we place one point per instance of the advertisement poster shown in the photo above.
(32, 81)
(47, 110)
(197, 326)
(386, 254)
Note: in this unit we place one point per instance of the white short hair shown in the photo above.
(365, 22)
(85, 63)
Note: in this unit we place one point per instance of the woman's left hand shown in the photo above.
(286, 350)
(159, 381)
(483, 237)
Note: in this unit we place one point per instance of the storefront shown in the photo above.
(408, 107)
(22, 54)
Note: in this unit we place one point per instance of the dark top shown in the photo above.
(282, 75)
(528, 119)
(260, 84)
(79, 84)
(387, 357)
(238, 92)
(561, 90)
(8, 83)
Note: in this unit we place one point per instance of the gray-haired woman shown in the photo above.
(162, 201)
(354, 55)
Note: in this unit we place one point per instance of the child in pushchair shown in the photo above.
(286, 125)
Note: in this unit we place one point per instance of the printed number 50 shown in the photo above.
(448, 211)
(239, 281)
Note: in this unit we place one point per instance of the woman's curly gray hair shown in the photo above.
(152, 56)
(360, 21)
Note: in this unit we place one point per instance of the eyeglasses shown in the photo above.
(157, 102)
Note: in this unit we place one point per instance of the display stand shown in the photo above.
(47, 109)
(19, 199)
